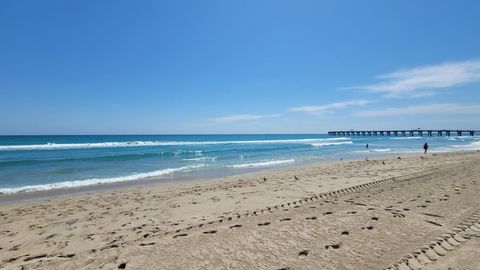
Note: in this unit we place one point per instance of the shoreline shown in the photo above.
(147, 226)
(168, 180)
(177, 178)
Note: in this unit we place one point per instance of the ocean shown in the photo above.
(33, 163)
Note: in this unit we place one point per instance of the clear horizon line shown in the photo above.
(159, 134)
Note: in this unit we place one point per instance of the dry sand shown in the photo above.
(279, 219)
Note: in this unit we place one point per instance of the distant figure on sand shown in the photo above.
(425, 147)
(366, 146)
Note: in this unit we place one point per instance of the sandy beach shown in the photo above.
(407, 212)
(212, 135)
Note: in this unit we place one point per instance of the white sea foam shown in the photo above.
(201, 159)
(197, 153)
(262, 164)
(471, 146)
(330, 143)
(96, 181)
(361, 151)
(445, 149)
(382, 150)
(463, 138)
(373, 150)
(55, 146)
(475, 145)
(405, 138)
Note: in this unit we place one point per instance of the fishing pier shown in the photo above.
(405, 133)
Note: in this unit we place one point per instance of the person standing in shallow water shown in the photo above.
(425, 147)
(366, 146)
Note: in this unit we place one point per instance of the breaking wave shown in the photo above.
(201, 159)
(59, 146)
(330, 143)
(405, 138)
(97, 181)
(382, 150)
(262, 164)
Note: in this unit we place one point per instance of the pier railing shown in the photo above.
(405, 133)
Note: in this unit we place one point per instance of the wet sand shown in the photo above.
(345, 215)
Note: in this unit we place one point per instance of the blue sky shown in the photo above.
(139, 67)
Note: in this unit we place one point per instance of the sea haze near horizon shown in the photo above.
(34, 163)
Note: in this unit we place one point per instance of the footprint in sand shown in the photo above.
(334, 246)
(434, 223)
(147, 244)
(180, 235)
(17, 247)
(433, 215)
(66, 255)
(215, 199)
(303, 253)
(35, 257)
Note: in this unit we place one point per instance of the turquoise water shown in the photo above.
(29, 163)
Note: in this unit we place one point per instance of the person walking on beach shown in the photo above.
(425, 147)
